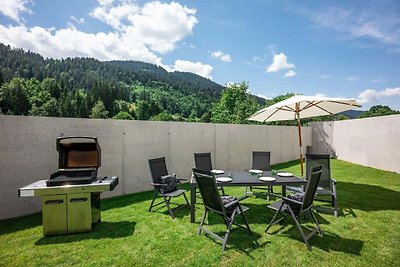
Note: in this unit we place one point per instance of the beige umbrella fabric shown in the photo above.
(300, 106)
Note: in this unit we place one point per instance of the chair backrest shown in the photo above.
(203, 161)
(158, 168)
(313, 160)
(313, 180)
(261, 160)
(208, 190)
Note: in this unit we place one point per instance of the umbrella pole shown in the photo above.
(300, 143)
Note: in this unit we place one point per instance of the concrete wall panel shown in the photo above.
(28, 150)
(372, 142)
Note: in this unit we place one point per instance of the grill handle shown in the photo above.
(59, 139)
(81, 199)
(54, 202)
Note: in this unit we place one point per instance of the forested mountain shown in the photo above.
(86, 87)
(138, 84)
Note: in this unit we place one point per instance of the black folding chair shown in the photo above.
(203, 162)
(225, 206)
(298, 204)
(165, 185)
(261, 160)
(326, 190)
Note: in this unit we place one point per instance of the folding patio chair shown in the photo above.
(261, 160)
(225, 206)
(165, 185)
(298, 204)
(326, 186)
(203, 162)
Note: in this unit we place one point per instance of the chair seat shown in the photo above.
(297, 189)
(277, 205)
(321, 191)
(175, 193)
(244, 209)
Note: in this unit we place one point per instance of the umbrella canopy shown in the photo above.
(303, 107)
(300, 106)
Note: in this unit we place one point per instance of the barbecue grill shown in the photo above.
(71, 195)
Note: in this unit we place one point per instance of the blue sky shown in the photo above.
(335, 48)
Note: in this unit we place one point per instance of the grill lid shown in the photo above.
(78, 152)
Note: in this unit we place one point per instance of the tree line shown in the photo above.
(88, 88)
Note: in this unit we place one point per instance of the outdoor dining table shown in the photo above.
(245, 178)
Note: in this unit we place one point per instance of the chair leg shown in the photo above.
(154, 198)
(244, 219)
(187, 202)
(299, 228)
(273, 218)
(334, 201)
(202, 222)
(228, 230)
(223, 192)
(169, 208)
(316, 222)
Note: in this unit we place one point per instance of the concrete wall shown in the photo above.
(28, 150)
(373, 142)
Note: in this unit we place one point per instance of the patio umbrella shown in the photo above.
(299, 106)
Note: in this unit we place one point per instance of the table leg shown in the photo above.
(192, 202)
(284, 190)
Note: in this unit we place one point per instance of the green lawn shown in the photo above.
(366, 233)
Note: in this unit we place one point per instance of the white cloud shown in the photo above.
(139, 33)
(14, 8)
(76, 20)
(70, 42)
(222, 56)
(359, 23)
(263, 96)
(320, 95)
(199, 68)
(290, 73)
(370, 95)
(279, 63)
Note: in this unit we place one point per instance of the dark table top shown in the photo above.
(245, 178)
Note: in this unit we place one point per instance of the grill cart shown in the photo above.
(71, 196)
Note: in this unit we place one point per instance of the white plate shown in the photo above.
(224, 179)
(267, 179)
(217, 171)
(256, 171)
(285, 174)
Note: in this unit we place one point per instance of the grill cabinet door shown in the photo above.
(79, 213)
(54, 214)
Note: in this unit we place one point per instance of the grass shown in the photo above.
(367, 233)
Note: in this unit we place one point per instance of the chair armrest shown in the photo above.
(286, 199)
(163, 185)
(242, 197)
(334, 181)
(235, 202)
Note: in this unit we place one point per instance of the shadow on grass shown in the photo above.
(285, 165)
(126, 200)
(328, 242)
(101, 230)
(366, 197)
(239, 239)
(21, 223)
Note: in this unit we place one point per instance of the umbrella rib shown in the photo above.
(342, 103)
(277, 109)
(273, 113)
(313, 104)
